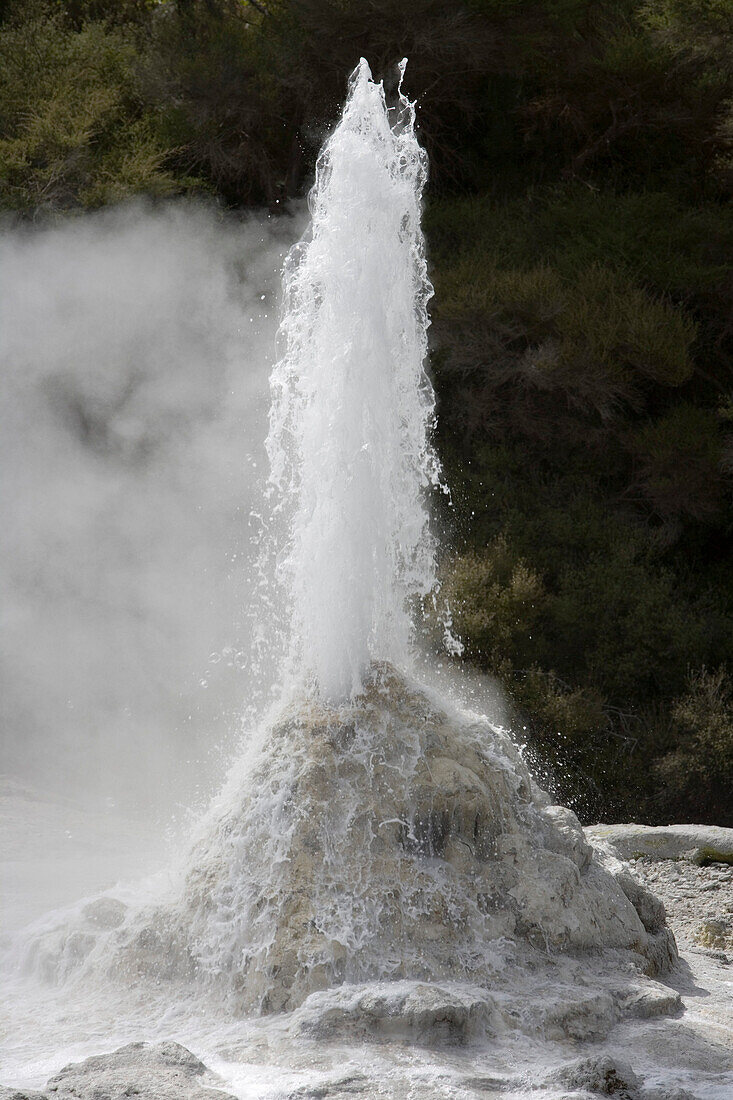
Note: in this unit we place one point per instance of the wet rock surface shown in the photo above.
(20, 1094)
(606, 1076)
(394, 839)
(355, 1084)
(153, 1071)
(416, 1012)
(105, 913)
(602, 1076)
(590, 1013)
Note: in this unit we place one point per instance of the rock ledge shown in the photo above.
(698, 844)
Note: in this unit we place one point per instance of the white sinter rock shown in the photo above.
(389, 839)
(156, 1071)
(696, 843)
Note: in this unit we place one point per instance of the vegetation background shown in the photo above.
(580, 233)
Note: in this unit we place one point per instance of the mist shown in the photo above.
(135, 347)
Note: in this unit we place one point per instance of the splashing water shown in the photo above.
(352, 406)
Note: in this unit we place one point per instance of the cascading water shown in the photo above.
(352, 406)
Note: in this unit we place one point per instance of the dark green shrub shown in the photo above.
(679, 458)
(695, 776)
(74, 131)
(224, 114)
(620, 623)
(669, 246)
(599, 339)
(495, 599)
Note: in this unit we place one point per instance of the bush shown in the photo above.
(587, 454)
(226, 119)
(588, 601)
(510, 94)
(671, 247)
(625, 103)
(695, 777)
(598, 339)
(73, 127)
(570, 741)
(679, 464)
(495, 599)
(620, 623)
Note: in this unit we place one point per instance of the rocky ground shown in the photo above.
(698, 901)
(353, 1042)
(690, 869)
(166, 1071)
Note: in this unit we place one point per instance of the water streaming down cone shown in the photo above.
(352, 407)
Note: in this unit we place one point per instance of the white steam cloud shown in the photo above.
(135, 348)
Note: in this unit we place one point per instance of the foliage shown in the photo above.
(671, 246)
(599, 339)
(629, 94)
(679, 460)
(495, 598)
(696, 776)
(225, 119)
(585, 438)
(702, 30)
(73, 130)
(623, 102)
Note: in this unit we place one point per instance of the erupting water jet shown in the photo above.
(352, 406)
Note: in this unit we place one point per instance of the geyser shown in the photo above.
(352, 406)
(376, 833)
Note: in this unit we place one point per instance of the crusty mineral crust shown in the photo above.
(156, 1071)
(392, 839)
